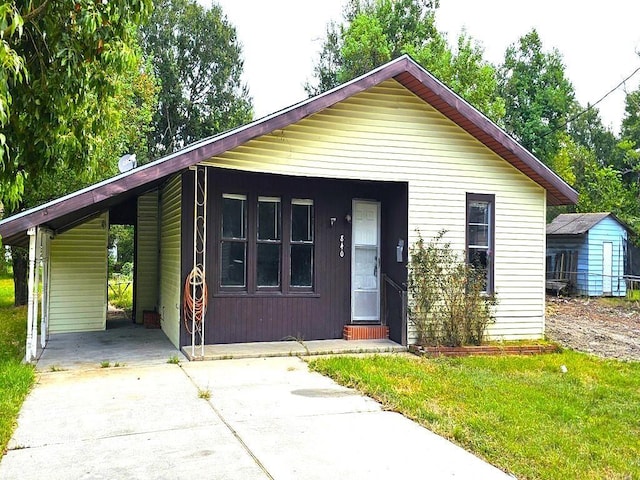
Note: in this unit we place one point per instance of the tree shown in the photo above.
(376, 31)
(539, 99)
(631, 120)
(197, 58)
(62, 70)
(59, 72)
(131, 111)
(629, 146)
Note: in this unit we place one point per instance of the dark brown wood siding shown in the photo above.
(253, 315)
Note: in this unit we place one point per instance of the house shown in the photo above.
(588, 251)
(299, 224)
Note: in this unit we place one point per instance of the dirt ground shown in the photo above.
(605, 327)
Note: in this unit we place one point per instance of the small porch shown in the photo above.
(126, 344)
(291, 348)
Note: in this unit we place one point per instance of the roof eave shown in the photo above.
(403, 69)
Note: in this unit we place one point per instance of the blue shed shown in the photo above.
(587, 251)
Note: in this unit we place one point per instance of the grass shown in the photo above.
(121, 294)
(205, 393)
(520, 413)
(633, 295)
(16, 379)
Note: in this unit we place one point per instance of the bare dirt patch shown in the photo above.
(601, 326)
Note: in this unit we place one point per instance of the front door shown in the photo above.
(365, 267)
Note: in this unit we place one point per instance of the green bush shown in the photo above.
(448, 304)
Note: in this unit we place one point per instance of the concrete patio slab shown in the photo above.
(292, 348)
(122, 342)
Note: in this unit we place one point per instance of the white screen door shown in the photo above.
(607, 267)
(365, 266)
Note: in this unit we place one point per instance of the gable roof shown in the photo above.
(72, 208)
(578, 223)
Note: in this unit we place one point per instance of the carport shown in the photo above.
(67, 267)
(122, 343)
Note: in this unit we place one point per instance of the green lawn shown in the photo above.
(521, 414)
(120, 293)
(16, 379)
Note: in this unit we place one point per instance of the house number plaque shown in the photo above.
(341, 246)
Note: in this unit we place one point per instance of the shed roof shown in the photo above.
(578, 223)
(70, 209)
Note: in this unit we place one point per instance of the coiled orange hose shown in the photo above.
(196, 294)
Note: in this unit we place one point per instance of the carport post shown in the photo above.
(32, 302)
(45, 243)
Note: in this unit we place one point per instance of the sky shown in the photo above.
(598, 41)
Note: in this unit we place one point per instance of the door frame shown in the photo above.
(377, 320)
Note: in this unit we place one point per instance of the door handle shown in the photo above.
(375, 268)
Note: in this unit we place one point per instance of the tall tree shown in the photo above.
(131, 109)
(375, 31)
(587, 129)
(62, 61)
(631, 121)
(539, 98)
(197, 58)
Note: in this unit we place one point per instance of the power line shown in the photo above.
(590, 107)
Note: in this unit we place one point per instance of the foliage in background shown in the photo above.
(448, 305)
(372, 32)
(64, 61)
(520, 413)
(16, 379)
(121, 237)
(539, 98)
(121, 292)
(131, 107)
(529, 95)
(198, 60)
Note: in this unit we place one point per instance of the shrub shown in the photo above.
(448, 304)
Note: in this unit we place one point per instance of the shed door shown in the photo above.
(365, 268)
(607, 267)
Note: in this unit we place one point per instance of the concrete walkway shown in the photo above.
(292, 348)
(265, 418)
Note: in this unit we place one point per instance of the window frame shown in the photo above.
(312, 243)
(251, 241)
(238, 240)
(490, 199)
(262, 241)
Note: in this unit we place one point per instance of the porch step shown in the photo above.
(365, 332)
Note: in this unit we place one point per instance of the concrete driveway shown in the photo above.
(266, 418)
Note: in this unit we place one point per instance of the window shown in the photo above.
(234, 241)
(268, 242)
(301, 243)
(480, 235)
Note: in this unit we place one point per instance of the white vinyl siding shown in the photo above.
(170, 218)
(388, 134)
(146, 271)
(78, 288)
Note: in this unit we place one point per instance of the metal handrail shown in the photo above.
(394, 284)
(404, 302)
